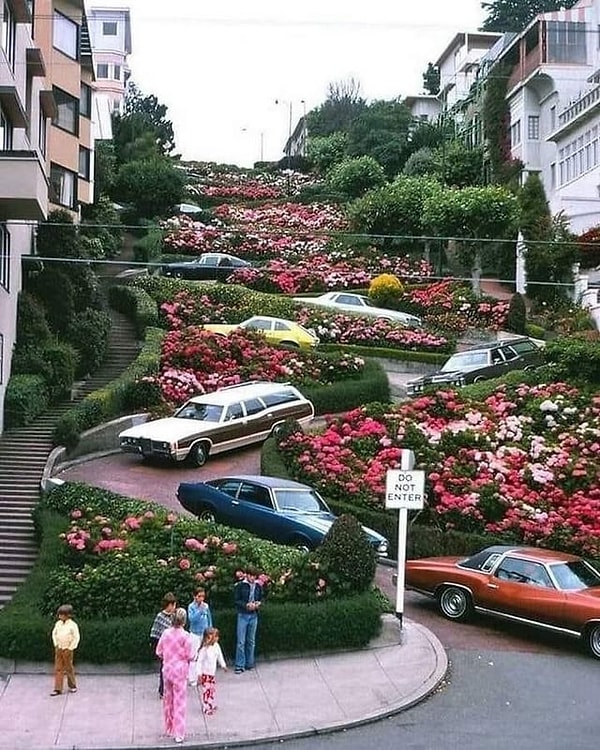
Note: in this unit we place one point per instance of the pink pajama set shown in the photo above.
(176, 651)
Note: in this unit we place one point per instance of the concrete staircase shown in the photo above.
(23, 454)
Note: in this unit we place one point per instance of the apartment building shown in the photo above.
(46, 79)
(110, 33)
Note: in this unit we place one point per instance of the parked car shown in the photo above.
(277, 331)
(530, 586)
(482, 363)
(277, 509)
(206, 267)
(360, 304)
(229, 418)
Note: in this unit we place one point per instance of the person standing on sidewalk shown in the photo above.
(65, 638)
(199, 620)
(162, 621)
(176, 651)
(248, 595)
(209, 657)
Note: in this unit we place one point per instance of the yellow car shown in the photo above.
(277, 331)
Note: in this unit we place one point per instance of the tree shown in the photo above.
(514, 15)
(382, 131)
(152, 187)
(343, 105)
(105, 168)
(355, 176)
(431, 79)
(325, 151)
(143, 130)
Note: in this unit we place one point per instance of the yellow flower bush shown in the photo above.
(385, 289)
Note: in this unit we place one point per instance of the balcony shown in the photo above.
(525, 67)
(23, 186)
(579, 106)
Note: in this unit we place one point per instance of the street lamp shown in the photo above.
(262, 142)
(288, 145)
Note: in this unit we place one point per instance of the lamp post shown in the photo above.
(288, 145)
(262, 142)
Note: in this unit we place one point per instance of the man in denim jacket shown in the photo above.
(248, 596)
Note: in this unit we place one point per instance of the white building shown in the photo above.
(424, 107)
(554, 101)
(110, 33)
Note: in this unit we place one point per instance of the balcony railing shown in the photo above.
(575, 108)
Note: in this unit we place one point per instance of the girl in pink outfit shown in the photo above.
(209, 657)
(176, 651)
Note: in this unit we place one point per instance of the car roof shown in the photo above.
(233, 393)
(271, 317)
(492, 344)
(538, 554)
(264, 481)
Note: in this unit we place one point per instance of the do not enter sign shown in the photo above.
(405, 489)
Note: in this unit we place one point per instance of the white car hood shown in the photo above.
(168, 430)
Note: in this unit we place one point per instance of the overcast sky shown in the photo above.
(220, 66)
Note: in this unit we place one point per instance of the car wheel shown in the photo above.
(289, 345)
(277, 431)
(478, 379)
(199, 454)
(455, 603)
(592, 639)
(207, 515)
(178, 275)
(301, 544)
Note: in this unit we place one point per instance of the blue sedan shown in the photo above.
(277, 509)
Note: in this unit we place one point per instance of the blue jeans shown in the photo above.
(246, 640)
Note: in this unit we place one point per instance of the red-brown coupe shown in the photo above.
(531, 586)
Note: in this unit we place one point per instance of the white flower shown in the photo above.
(548, 405)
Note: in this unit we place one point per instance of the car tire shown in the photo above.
(300, 543)
(289, 345)
(592, 640)
(207, 515)
(277, 431)
(455, 603)
(198, 454)
(478, 379)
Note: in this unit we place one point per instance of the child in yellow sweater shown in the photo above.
(65, 638)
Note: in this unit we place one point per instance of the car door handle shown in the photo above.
(235, 502)
(492, 586)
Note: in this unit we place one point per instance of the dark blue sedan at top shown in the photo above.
(277, 509)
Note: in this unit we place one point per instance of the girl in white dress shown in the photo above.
(209, 657)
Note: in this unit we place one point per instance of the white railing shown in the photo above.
(575, 108)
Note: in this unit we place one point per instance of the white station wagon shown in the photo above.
(229, 418)
(359, 304)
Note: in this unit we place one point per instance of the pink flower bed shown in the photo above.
(524, 464)
(310, 218)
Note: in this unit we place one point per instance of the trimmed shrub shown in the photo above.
(61, 361)
(354, 176)
(535, 331)
(26, 398)
(32, 325)
(53, 288)
(347, 554)
(136, 304)
(575, 359)
(516, 317)
(88, 333)
(385, 289)
(149, 247)
(347, 394)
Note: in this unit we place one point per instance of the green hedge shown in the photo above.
(404, 355)
(26, 398)
(348, 394)
(136, 304)
(285, 628)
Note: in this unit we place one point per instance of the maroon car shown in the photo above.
(538, 587)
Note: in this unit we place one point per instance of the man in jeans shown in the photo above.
(248, 596)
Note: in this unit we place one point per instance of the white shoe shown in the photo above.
(178, 739)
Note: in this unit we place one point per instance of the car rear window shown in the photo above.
(280, 397)
(521, 347)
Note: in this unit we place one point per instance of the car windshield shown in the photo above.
(465, 361)
(201, 412)
(576, 574)
(304, 500)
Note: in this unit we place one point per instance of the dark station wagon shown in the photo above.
(206, 267)
(229, 418)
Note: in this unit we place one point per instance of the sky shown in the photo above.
(220, 67)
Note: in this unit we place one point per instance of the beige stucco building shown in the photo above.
(46, 147)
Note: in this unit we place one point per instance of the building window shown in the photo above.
(6, 132)
(42, 139)
(515, 133)
(109, 28)
(85, 101)
(64, 186)
(4, 257)
(117, 73)
(84, 162)
(67, 117)
(566, 42)
(65, 35)
(102, 70)
(533, 128)
(9, 34)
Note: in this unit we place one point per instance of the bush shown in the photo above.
(152, 186)
(385, 289)
(32, 325)
(136, 304)
(149, 247)
(60, 361)
(53, 288)
(516, 317)
(355, 176)
(347, 554)
(535, 331)
(347, 394)
(26, 398)
(575, 360)
(88, 333)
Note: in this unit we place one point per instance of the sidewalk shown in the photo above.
(279, 699)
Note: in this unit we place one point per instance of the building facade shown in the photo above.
(46, 148)
(110, 33)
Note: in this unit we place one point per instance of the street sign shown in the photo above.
(405, 489)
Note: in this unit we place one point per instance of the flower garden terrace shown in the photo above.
(523, 465)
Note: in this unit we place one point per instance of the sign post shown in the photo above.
(404, 490)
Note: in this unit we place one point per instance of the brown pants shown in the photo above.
(63, 665)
